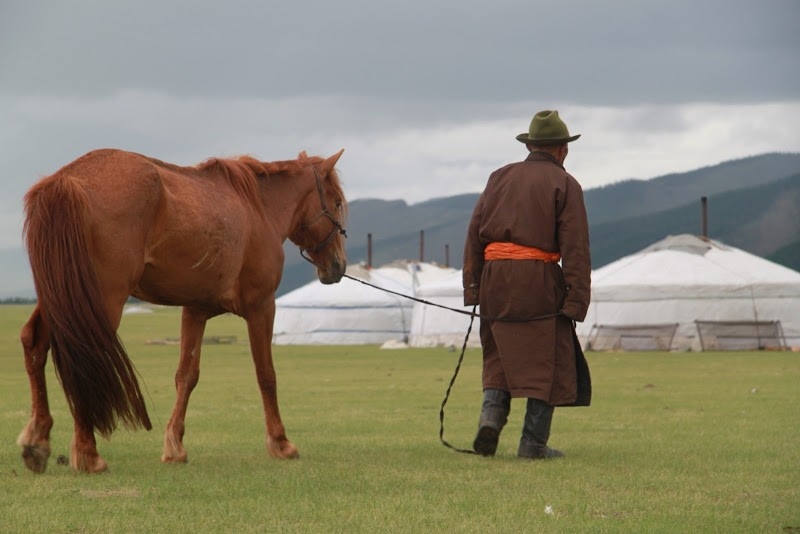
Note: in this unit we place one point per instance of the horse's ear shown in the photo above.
(330, 163)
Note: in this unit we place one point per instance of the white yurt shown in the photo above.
(433, 326)
(352, 313)
(691, 293)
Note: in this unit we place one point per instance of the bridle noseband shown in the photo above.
(337, 226)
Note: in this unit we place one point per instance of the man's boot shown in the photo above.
(494, 414)
(536, 431)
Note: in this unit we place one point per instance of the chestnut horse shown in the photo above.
(208, 238)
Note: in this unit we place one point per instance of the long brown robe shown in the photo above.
(534, 203)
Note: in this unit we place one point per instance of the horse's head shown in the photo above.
(320, 233)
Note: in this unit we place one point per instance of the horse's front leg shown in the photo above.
(193, 325)
(35, 437)
(259, 329)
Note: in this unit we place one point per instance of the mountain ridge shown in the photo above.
(753, 204)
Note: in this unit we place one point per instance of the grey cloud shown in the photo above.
(589, 52)
(428, 93)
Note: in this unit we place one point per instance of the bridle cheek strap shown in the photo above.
(337, 226)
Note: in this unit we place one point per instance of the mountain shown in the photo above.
(788, 255)
(640, 197)
(753, 204)
(761, 220)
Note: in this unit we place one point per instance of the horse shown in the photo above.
(209, 238)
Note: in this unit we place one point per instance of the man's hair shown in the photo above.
(546, 148)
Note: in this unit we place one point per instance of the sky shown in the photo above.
(425, 96)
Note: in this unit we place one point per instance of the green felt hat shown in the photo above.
(547, 128)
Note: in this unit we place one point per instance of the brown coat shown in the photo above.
(534, 203)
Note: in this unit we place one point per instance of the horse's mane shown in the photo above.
(295, 166)
(292, 166)
(242, 173)
(303, 160)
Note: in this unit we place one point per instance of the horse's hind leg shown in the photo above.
(84, 457)
(35, 437)
(188, 373)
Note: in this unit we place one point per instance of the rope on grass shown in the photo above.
(472, 316)
(450, 386)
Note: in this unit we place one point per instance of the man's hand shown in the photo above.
(574, 311)
(472, 295)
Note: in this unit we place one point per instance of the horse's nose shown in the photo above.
(333, 273)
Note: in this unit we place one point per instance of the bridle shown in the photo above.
(337, 226)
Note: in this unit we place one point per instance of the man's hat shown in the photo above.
(547, 128)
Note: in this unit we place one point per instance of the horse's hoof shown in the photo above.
(282, 449)
(100, 466)
(88, 464)
(174, 459)
(35, 457)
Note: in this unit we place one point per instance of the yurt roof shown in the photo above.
(400, 277)
(690, 266)
(450, 285)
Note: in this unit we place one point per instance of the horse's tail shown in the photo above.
(98, 378)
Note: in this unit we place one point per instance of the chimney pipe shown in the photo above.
(369, 251)
(704, 217)
(446, 255)
(421, 246)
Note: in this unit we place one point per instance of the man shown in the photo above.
(530, 216)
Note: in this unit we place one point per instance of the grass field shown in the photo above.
(672, 443)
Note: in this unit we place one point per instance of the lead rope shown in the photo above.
(450, 386)
(472, 316)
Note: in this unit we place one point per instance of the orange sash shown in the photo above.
(512, 251)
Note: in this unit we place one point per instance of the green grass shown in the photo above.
(672, 443)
